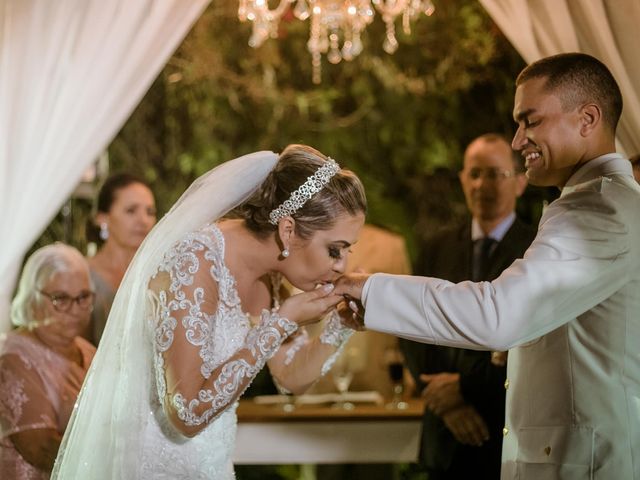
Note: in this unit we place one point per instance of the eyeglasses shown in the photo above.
(489, 173)
(63, 302)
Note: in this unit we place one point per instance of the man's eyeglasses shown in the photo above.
(62, 302)
(489, 173)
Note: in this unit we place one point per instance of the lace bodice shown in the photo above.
(203, 338)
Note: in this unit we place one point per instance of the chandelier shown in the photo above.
(335, 25)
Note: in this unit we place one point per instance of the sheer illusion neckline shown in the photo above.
(273, 278)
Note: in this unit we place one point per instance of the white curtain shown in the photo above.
(606, 29)
(71, 72)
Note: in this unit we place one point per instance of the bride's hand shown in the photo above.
(309, 307)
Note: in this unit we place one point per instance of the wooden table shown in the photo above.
(320, 434)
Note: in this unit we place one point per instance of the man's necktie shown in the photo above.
(482, 256)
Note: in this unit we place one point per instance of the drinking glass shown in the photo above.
(395, 368)
(342, 373)
(290, 405)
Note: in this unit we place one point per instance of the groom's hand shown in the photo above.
(350, 286)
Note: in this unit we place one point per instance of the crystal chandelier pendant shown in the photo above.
(302, 11)
(334, 56)
(390, 44)
(335, 25)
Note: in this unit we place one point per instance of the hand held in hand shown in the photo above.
(351, 285)
(309, 307)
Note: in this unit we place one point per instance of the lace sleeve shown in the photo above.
(207, 352)
(234, 376)
(336, 334)
(304, 359)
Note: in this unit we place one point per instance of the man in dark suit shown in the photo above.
(464, 390)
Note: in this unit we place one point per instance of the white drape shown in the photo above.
(606, 29)
(71, 72)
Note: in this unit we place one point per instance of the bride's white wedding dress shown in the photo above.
(119, 429)
(178, 301)
(217, 336)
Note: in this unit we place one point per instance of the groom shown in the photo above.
(570, 309)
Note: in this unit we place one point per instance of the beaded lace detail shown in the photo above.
(231, 353)
(218, 335)
(38, 389)
(336, 334)
(262, 341)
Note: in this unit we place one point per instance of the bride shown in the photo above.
(200, 312)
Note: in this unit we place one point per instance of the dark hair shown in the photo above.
(516, 158)
(635, 160)
(578, 79)
(107, 196)
(343, 193)
(113, 183)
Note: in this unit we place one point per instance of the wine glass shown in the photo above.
(342, 373)
(395, 367)
(289, 405)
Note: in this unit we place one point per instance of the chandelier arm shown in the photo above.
(392, 10)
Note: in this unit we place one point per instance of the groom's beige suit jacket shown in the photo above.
(569, 312)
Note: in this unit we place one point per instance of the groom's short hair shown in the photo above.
(578, 79)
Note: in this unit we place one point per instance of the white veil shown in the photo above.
(103, 438)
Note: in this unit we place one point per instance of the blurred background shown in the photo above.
(400, 121)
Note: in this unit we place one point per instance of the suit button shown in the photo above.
(506, 384)
(505, 431)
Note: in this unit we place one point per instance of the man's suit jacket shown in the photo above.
(571, 306)
(449, 255)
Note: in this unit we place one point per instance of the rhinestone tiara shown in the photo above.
(308, 189)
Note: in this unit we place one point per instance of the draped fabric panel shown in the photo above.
(71, 72)
(602, 28)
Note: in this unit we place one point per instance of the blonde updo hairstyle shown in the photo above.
(41, 266)
(343, 194)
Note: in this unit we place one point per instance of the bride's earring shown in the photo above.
(285, 253)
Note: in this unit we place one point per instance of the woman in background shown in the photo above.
(125, 213)
(43, 362)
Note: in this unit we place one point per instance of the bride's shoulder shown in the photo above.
(204, 245)
(206, 238)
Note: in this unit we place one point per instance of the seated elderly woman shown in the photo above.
(43, 362)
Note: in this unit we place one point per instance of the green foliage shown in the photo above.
(399, 121)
